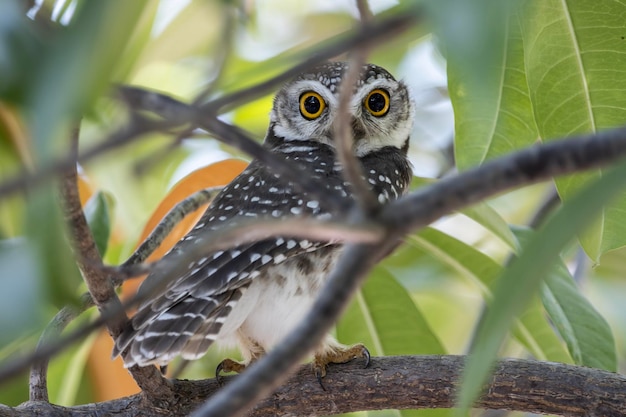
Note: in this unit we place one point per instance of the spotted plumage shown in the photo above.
(253, 294)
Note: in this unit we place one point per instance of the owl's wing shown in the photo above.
(188, 314)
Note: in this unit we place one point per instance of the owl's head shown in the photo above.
(381, 108)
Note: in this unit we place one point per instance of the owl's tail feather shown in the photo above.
(198, 344)
(168, 333)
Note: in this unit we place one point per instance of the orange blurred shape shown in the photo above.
(110, 379)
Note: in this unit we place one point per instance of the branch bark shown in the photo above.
(399, 382)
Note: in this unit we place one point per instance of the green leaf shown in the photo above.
(98, 215)
(384, 318)
(587, 334)
(532, 329)
(493, 115)
(575, 55)
(521, 280)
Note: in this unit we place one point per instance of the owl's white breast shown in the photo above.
(278, 300)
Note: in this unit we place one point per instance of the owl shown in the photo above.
(254, 294)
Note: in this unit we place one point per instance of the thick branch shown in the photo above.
(401, 382)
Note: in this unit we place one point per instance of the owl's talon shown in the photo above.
(338, 354)
(226, 366)
(319, 376)
(366, 355)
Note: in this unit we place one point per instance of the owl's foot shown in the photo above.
(338, 354)
(226, 366)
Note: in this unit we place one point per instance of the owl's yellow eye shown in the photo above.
(377, 102)
(311, 105)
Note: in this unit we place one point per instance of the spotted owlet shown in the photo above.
(254, 294)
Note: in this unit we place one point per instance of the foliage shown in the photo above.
(524, 72)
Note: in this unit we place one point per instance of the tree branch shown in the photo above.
(396, 382)
(98, 282)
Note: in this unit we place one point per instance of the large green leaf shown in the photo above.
(521, 280)
(73, 70)
(588, 336)
(575, 54)
(493, 116)
(531, 329)
(384, 317)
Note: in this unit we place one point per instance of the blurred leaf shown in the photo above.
(483, 214)
(98, 215)
(587, 334)
(574, 53)
(464, 28)
(78, 67)
(494, 116)
(521, 280)
(20, 48)
(190, 32)
(45, 227)
(465, 259)
(72, 373)
(22, 300)
(384, 318)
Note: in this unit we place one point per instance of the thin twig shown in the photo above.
(169, 221)
(550, 202)
(344, 140)
(247, 231)
(99, 284)
(365, 13)
(38, 380)
(153, 158)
